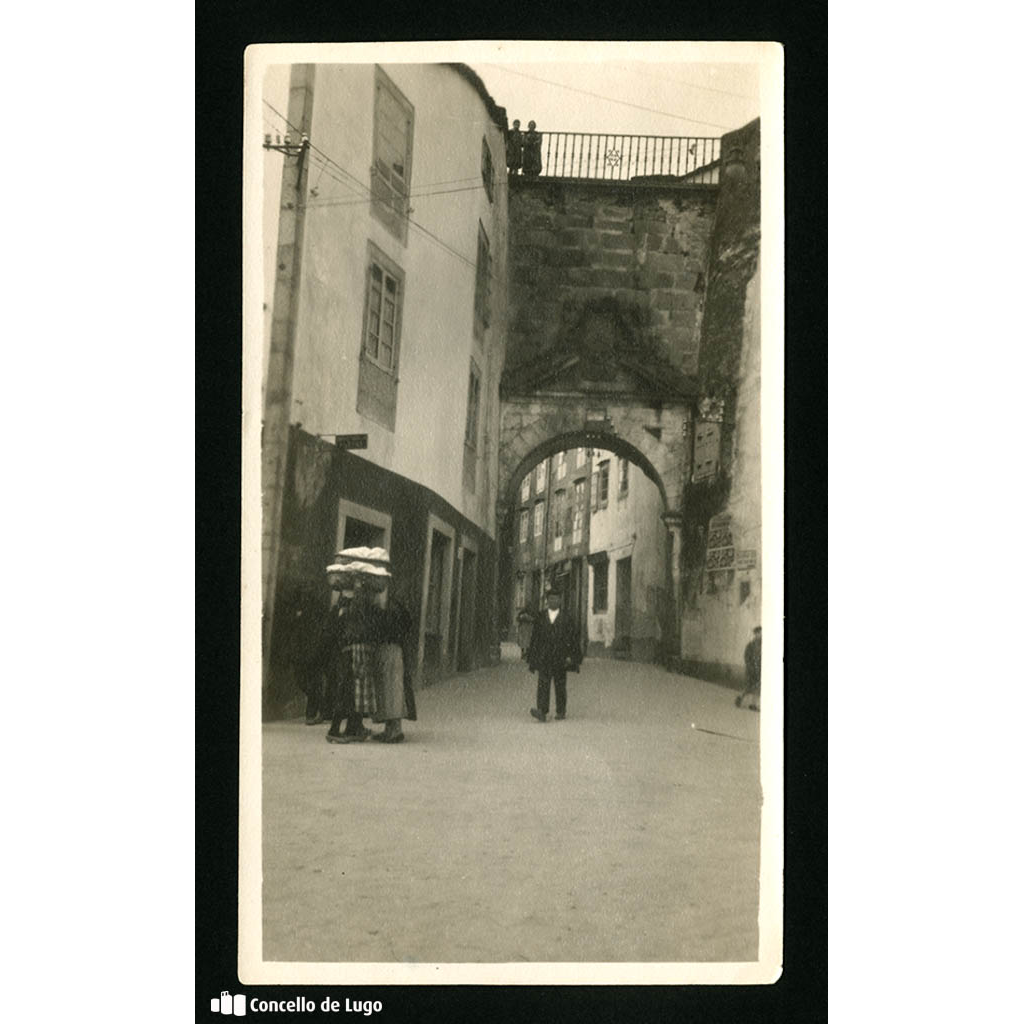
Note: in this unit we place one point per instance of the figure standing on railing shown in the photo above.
(531, 151)
(514, 149)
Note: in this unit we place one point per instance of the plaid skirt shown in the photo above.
(357, 694)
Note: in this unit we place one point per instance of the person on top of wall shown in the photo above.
(514, 149)
(554, 649)
(531, 151)
(752, 659)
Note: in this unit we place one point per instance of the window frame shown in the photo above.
(390, 203)
(603, 474)
(471, 439)
(388, 268)
(482, 283)
(578, 505)
(558, 513)
(487, 169)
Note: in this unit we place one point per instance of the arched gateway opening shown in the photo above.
(572, 513)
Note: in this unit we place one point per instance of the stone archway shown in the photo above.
(654, 436)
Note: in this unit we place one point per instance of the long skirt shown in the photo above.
(356, 691)
(389, 677)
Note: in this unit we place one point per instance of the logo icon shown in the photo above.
(227, 1004)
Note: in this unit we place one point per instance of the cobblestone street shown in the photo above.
(622, 834)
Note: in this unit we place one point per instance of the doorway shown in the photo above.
(433, 631)
(467, 611)
(623, 604)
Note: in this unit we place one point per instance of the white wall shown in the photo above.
(437, 340)
(629, 527)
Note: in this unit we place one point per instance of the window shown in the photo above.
(524, 525)
(541, 478)
(391, 173)
(381, 318)
(473, 405)
(623, 478)
(600, 587)
(487, 170)
(382, 329)
(524, 489)
(579, 500)
(472, 429)
(521, 591)
(706, 451)
(581, 456)
(560, 465)
(599, 495)
(482, 298)
(538, 519)
(559, 516)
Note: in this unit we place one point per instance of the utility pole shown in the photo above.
(287, 287)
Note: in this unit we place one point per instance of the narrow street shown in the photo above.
(622, 834)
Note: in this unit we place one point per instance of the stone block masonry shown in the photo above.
(645, 248)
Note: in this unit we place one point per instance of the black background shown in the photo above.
(223, 32)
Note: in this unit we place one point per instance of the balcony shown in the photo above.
(631, 158)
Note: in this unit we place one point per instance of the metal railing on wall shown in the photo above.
(626, 157)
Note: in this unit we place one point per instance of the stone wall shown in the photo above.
(643, 247)
(722, 594)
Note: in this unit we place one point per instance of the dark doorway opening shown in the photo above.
(623, 605)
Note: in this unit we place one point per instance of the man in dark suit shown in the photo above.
(554, 648)
(752, 659)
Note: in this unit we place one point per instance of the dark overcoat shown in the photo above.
(554, 646)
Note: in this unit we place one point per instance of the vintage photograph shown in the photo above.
(512, 509)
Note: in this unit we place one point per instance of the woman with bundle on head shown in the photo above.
(351, 631)
(390, 627)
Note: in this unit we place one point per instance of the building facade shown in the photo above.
(398, 333)
(551, 535)
(629, 587)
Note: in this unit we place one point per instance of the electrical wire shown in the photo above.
(610, 99)
(679, 81)
(366, 188)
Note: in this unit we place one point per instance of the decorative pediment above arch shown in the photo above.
(600, 350)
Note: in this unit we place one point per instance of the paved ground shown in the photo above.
(620, 834)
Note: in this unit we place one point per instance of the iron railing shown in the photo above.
(626, 157)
